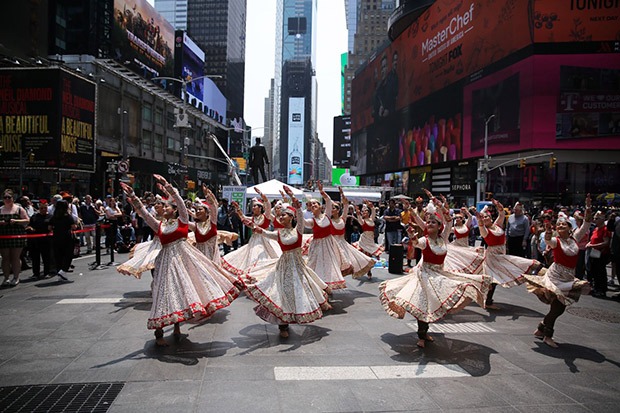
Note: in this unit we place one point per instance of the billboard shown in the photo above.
(47, 116)
(142, 39)
(568, 101)
(448, 42)
(189, 62)
(576, 21)
(343, 177)
(342, 141)
(296, 116)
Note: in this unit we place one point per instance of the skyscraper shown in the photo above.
(367, 24)
(295, 90)
(175, 11)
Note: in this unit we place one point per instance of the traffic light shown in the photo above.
(521, 163)
(552, 162)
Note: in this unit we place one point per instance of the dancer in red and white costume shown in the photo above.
(366, 244)
(324, 257)
(186, 284)
(559, 287)
(506, 270)
(286, 289)
(258, 247)
(360, 263)
(205, 226)
(429, 292)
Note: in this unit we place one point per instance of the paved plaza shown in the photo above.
(92, 334)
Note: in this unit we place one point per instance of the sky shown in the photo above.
(331, 41)
(260, 60)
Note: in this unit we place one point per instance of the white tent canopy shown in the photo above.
(271, 189)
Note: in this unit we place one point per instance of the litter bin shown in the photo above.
(395, 265)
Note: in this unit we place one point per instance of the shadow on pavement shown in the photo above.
(184, 352)
(571, 352)
(259, 336)
(219, 317)
(341, 299)
(506, 310)
(473, 358)
(137, 300)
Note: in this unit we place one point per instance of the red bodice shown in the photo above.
(493, 240)
(209, 234)
(335, 231)
(429, 257)
(177, 234)
(366, 227)
(458, 235)
(560, 257)
(265, 224)
(296, 244)
(277, 224)
(321, 232)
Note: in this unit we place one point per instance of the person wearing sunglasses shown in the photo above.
(13, 221)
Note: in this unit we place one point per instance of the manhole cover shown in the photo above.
(83, 397)
(594, 314)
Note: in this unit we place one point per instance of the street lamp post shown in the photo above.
(483, 165)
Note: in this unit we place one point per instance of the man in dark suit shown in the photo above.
(258, 159)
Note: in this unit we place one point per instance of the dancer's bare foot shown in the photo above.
(549, 341)
(160, 342)
(539, 334)
(177, 332)
(492, 307)
(429, 338)
(421, 343)
(326, 306)
(369, 275)
(284, 333)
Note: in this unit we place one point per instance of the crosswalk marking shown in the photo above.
(410, 371)
(103, 300)
(457, 328)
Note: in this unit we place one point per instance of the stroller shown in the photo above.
(125, 236)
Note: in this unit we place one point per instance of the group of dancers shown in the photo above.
(291, 276)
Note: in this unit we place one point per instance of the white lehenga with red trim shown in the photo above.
(506, 270)
(286, 289)
(324, 257)
(206, 241)
(360, 262)
(366, 243)
(461, 257)
(429, 292)
(142, 259)
(257, 249)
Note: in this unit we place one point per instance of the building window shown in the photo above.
(159, 116)
(147, 139)
(157, 143)
(170, 143)
(147, 112)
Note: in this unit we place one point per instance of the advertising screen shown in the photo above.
(343, 177)
(564, 102)
(296, 113)
(576, 21)
(47, 115)
(342, 141)
(191, 67)
(142, 39)
(448, 42)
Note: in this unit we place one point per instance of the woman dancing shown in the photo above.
(142, 257)
(505, 270)
(366, 244)
(429, 292)
(258, 247)
(187, 285)
(205, 226)
(324, 256)
(286, 289)
(559, 287)
(360, 263)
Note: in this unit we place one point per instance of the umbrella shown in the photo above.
(609, 197)
(402, 197)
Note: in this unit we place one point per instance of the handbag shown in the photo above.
(594, 253)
